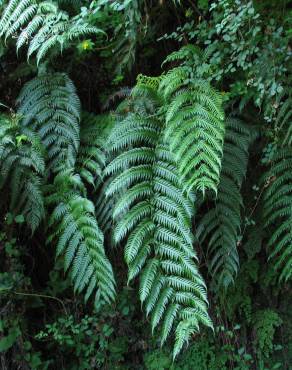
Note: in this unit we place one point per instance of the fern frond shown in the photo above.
(220, 225)
(22, 169)
(153, 215)
(13, 13)
(50, 106)
(194, 129)
(188, 51)
(79, 238)
(43, 26)
(91, 156)
(104, 209)
(283, 123)
(278, 211)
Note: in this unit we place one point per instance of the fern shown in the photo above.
(43, 26)
(103, 205)
(220, 225)
(283, 125)
(194, 128)
(91, 155)
(22, 168)
(91, 161)
(153, 215)
(50, 106)
(186, 54)
(79, 238)
(104, 208)
(278, 211)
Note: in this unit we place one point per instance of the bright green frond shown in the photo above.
(153, 214)
(194, 129)
(79, 239)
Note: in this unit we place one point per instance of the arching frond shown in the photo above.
(220, 225)
(194, 128)
(49, 105)
(43, 26)
(91, 155)
(153, 216)
(79, 238)
(283, 122)
(278, 211)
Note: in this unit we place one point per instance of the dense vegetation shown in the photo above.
(146, 181)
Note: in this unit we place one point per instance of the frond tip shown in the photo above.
(79, 239)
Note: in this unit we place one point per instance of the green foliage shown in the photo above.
(12, 329)
(43, 26)
(125, 49)
(81, 338)
(283, 125)
(238, 48)
(265, 324)
(278, 211)
(22, 170)
(9, 340)
(194, 115)
(79, 238)
(154, 215)
(91, 341)
(221, 224)
(50, 106)
(204, 354)
(91, 156)
(162, 190)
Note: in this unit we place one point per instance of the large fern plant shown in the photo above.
(39, 153)
(155, 199)
(167, 155)
(165, 149)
